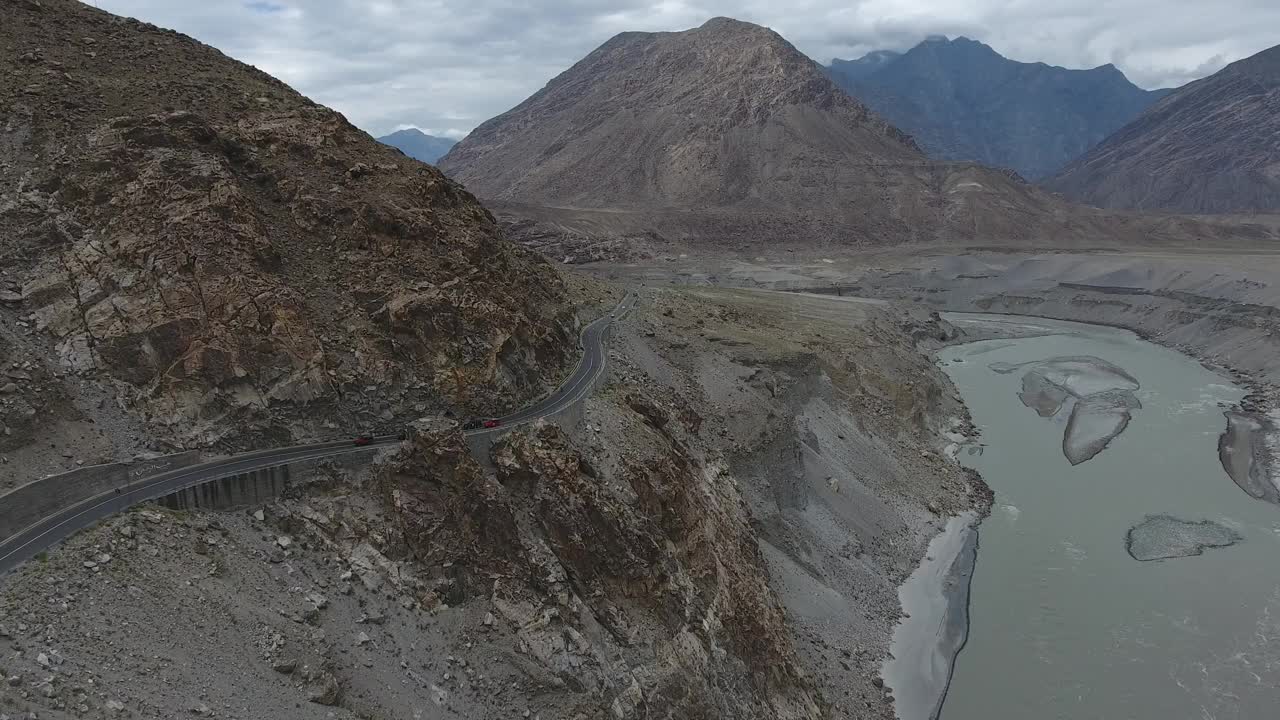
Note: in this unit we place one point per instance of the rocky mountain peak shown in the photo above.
(732, 25)
(658, 118)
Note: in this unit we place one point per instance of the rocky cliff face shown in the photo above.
(1210, 147)
(641, 593)
(961, 100)
(222, 249)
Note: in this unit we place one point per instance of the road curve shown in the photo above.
(53, 529)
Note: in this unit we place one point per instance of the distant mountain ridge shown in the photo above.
(1212, 146)
(418, 145)
(961, 100)
(727, 136)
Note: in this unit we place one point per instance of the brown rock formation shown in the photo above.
(654, 577)
(447, 509)
(194, 230)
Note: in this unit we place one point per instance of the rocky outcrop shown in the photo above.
(642, 594)
(230, 253)
(447, 509)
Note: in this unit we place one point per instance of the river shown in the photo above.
(1087, 599)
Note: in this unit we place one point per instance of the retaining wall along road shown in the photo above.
(25, 505)
(261, 486)
(252, 488)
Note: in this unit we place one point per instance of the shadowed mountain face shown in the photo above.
(1212, 146)
(961, 100)
(418, 145)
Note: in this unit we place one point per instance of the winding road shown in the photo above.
(56, 527)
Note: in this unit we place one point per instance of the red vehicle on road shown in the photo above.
(364, 440)
(492, 423)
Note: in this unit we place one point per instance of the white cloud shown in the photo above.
(451, 64)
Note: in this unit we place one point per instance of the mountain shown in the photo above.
(237, 263)
(961, 100)
(725, 114)
(1212, 146)
(724, 133)
(726, 136)
(418, 145)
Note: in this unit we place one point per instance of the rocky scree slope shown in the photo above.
(726, 136)
(236, 259)
(1213, 146)
(961, 100)
(639, 585)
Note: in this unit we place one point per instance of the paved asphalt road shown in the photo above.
(53, 529)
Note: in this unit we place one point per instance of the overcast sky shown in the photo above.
(446, 65)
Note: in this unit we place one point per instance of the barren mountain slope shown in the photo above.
(727, 136)
(221, 250)
(1210, 147)
(727, 113)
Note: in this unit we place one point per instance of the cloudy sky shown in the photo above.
(447, 65)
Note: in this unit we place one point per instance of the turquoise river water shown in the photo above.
(1063, 621)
